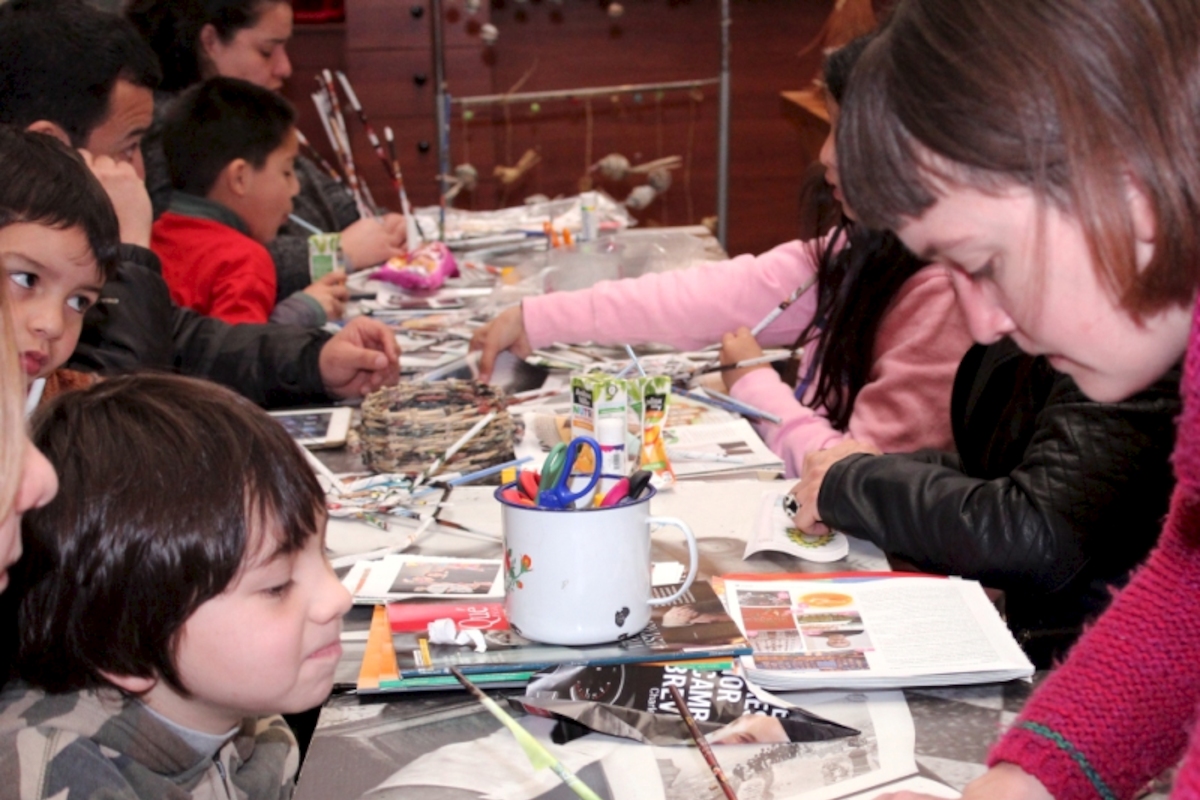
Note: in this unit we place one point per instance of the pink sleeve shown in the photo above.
(905, 404)
(686, 309)
(1120, 709)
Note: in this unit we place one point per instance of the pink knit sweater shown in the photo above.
(1120, 710)
(905, 404)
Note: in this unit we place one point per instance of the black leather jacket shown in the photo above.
(137, 326)
(1052, 497)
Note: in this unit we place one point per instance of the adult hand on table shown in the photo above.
(127, 193)
(360, 358)
(372, 241)
(739, 346)
(816, 464)
(505, 332)
(331, 292)
(1001, 782)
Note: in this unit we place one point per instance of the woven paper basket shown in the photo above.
(404, 428)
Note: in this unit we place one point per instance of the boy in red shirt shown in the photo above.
(231, 148)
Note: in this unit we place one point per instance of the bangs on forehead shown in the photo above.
(278, 523)
(886, 175)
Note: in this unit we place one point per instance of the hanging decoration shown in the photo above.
(510, 175)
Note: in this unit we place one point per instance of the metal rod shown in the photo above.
(723, 130)
(562, 94)
(441, 104)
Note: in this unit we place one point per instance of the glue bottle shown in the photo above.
(610, 435)
(588, 224)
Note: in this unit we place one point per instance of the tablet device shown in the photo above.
(316, 427)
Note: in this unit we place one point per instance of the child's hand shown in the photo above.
(128, 195)
(331, 292)
(372, 241)
(505, 332)
(739, 346)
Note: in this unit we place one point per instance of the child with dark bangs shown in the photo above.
(173, 600)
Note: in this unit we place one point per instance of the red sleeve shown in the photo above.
(244, 288)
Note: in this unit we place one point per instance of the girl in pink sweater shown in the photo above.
(881, 332)
(1048, 152)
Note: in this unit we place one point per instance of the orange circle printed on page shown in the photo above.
(826, 599)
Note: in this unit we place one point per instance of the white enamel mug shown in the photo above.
(582, 576)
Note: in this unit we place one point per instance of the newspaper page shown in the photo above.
(493, 767)
(872, 632)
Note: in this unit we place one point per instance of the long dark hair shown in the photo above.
(859, 272)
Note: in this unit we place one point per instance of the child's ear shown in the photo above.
(131, 684)
(237, 176)
(50, 129)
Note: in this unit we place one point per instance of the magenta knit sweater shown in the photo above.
(1122, 707)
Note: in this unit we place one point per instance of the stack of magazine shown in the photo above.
(695, 628)
(870, 631)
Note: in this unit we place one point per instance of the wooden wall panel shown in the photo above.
(575, 44)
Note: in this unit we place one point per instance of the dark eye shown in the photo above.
(79, 303)
(281, 590)
(25, 280)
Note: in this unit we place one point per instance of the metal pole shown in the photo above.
(723, 131)
(441, 105)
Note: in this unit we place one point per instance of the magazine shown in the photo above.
(399, 577)
(695, 627)
(871, 631)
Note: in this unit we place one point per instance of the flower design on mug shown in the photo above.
(512, 575)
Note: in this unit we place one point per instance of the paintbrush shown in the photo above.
(537, 754)
(698, 737)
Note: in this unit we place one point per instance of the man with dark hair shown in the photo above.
(57, 58)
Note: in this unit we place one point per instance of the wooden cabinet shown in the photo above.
(386, 52)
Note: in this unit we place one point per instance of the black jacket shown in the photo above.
(1052, 497)
(137, 326)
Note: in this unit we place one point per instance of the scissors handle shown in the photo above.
(560, 494)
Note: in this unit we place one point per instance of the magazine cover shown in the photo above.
(635, 701)
(399, 577)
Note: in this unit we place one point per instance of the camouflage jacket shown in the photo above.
(98, 744)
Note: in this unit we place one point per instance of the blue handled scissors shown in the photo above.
(555, 487)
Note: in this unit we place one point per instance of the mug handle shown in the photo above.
(693, 557)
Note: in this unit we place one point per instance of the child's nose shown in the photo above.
(333, 600)
(47, 319)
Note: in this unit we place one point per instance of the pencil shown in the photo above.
(775, 312)
(705, 750)
(538, 755)
(749, 362)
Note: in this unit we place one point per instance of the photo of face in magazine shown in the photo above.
(446, 578)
